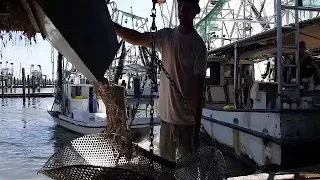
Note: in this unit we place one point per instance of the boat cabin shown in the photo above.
(79, 92)
(219, 81)
(265, 91)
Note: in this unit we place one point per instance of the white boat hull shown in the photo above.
(87, 127)
(67, 123)
(266, 137)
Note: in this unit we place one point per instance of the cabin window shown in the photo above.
(208, 73)
(75, 91)
(213, 73)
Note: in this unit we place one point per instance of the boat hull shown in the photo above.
(139, 125)
(262, 138)
(67, 123)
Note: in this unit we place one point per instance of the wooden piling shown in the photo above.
(33, 85)
(23, 86)
(6, 86)
(14, 81)
(11, 84)
(28, 81)
(14, 84)
(2, 86)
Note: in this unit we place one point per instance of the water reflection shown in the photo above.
(24, 122)
(61, 136)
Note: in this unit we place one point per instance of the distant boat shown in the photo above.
(78, 113)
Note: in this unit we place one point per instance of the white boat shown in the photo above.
(281, 128)
(74, 111)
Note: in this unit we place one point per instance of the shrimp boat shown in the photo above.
(79, 109)
(280, 127)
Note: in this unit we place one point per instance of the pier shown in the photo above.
(17, 92)
(35, 84)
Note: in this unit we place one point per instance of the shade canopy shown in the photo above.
(265, 43)
(82, 31)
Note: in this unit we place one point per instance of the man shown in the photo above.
(247, 82)
(308, 66)
(184, 56)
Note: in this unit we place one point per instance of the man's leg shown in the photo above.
(245, 95)
(167, 141)
(185, 146)
(316, 78)
(184, 135)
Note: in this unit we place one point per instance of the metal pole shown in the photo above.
(52, 61)
(235, 75)
(240, 85)
(279, 53)
(296, 18)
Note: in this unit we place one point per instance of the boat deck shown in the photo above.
(310, 172)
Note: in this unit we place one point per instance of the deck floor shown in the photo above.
(310, 172)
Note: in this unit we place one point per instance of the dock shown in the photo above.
(20, 95)
(18, 92)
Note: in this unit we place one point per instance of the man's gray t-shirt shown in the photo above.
(183, 56)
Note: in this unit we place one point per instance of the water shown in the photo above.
(28, 137)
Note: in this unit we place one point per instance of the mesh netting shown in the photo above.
(95, 157)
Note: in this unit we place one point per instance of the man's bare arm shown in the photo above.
(199, 103)
(133, 37)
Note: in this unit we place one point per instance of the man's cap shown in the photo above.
(194, 2)
(190, 1)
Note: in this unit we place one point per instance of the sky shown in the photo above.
(40, 53)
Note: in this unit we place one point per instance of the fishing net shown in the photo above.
(13, 17)
(115, 102)
(15, 25)
(113, 155)
(95, 157)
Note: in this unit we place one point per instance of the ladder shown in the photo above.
(296, 85)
